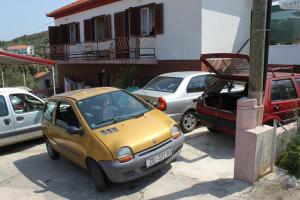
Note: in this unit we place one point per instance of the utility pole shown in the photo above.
(259, 52)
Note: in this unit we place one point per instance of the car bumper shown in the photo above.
(136, 168)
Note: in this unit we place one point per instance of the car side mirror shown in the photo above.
(75, 131)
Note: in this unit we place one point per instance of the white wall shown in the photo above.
(187, 27)
(225, 25)
(284, 54)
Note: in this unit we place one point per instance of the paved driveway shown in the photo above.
(204, 170)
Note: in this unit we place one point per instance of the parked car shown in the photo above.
(110, 133)
(176, 94)
(20, 116)
(217, 106)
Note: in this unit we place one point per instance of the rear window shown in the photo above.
(3, 107)
(283, 90)
(164, 84)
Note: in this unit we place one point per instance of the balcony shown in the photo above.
(125, 50)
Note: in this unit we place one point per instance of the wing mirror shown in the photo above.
(75, 131)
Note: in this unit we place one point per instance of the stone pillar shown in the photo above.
(253, 146)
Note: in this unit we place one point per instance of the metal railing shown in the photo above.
(118, 48)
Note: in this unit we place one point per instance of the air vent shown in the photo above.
(109, 131)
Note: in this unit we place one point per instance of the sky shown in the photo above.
(23, 17)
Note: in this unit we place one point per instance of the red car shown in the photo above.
(216, 108)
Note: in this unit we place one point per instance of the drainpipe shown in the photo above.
(53, 79)
(24, 76)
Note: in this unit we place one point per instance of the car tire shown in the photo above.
(188, 122)
(53, 154)
(98, 176)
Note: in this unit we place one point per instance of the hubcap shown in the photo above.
(189, 121)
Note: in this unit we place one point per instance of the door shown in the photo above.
(27, 115)
(104, 79)
(284, 99)
(122, 32)
(7, 127)
(70, 145)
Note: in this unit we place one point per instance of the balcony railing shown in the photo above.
(131, 48)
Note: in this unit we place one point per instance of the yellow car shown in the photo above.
(109, 132)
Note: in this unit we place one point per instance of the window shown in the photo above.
(99, 28)
(23, 103)
(283, 90)
(49, 111)
(72, 33)
(285, 26)
(105, 109)
(147, 21)
(3, 107)
(164, 84)
(298, 81)
(65, 116)
(200, 83)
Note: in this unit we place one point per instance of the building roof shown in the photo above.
(41, 74)
(17, 47)
(7, 58)
(78, 6)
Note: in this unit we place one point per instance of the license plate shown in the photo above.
(158, 158)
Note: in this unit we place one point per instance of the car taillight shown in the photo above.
(162, 104)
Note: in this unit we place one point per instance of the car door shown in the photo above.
(70, 145)
(7, 126)
(284, 99)
(27, 115)
(197, 86)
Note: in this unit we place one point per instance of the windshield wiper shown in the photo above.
(113, 119)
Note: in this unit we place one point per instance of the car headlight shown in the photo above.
(125, 154)
(175, 132)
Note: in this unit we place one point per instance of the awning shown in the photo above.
(7, 58)
(12, 59)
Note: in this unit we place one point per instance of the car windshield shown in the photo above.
(113, 107)
(164, 84)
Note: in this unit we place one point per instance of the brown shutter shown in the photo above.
(135, 21)
(77, 30)
(107, 27)
(120, 30)
(159, 19)
(54, 35)
(93, 29)
(87, 30)
(64, 34)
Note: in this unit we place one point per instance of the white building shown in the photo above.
(21, 49)
(93, 39)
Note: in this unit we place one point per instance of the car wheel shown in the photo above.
(188, 122)
(53, 154)
(98, 176)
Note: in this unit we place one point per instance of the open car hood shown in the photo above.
(227, 65)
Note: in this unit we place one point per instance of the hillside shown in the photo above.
(38, 40)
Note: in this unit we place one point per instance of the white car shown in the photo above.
(20, 116)
(176, 94)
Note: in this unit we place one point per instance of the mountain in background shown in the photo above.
(38, 40)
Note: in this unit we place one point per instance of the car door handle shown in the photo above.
(20, 119)
(7, 121)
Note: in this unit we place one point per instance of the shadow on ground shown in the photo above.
(20, 146)
(69, 181)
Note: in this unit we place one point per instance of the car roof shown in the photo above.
(270, 75)
(12, 90)
(84, 93)
(185, 74)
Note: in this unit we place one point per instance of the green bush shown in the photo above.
(290, 159)
(125, 78)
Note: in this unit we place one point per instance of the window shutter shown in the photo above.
(87, 30)
(159, 19)
(64, 34)
(77, 30)
(93, 29)
(120, 24)
(135, 21)
(54, 35)
(107, 27)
